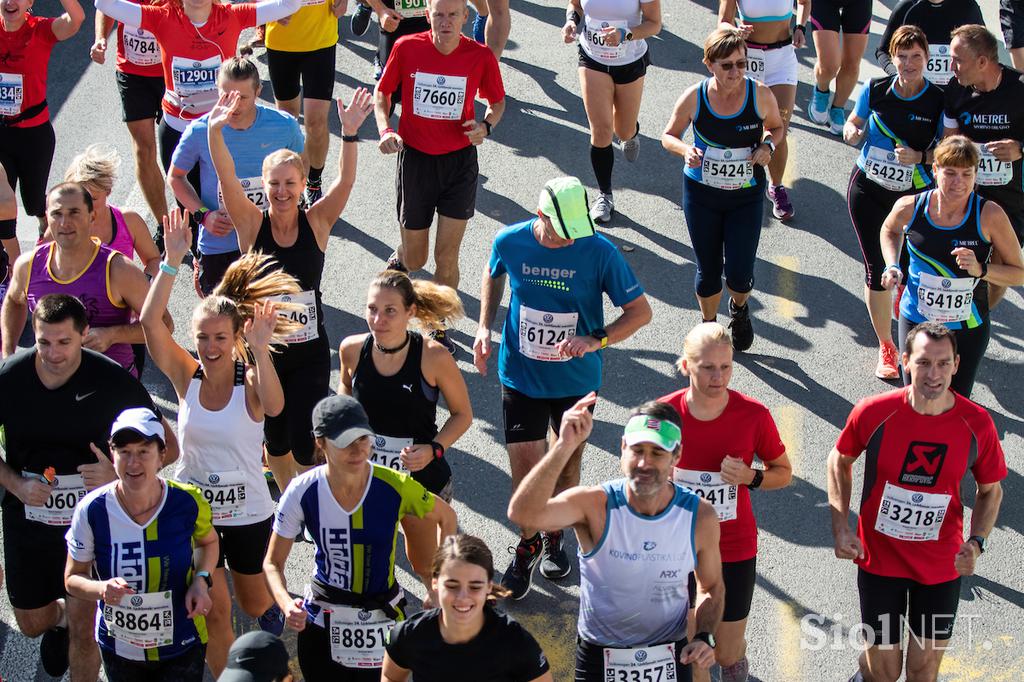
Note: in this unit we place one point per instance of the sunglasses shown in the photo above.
(740, 64)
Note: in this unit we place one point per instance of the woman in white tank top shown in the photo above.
(222, 402)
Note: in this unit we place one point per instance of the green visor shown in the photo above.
(564, 202)
(644, 429)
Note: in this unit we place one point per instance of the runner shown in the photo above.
(221, 405)
(257, 657)
(297, 240)
(553, 339)
(722, 431)
(302, 49)
(613, 59)
(983, 103)
(771, 59)
(26, 135)
(909, 549)
(465, 633)
(353, 509)
(633, 613)
(835, 63)
(492, 24)
(111, 286)
(398, 377)
(936, 19)
(47, 471)
(724, 173)
(950, 267)
(1011, 18)
(898, 119)
(140, 82)
(253, 132)
(403, 18)
(440, 73)
(130, 549)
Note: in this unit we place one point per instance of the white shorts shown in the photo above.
(772, 66)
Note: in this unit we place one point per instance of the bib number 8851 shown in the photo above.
(360, 638)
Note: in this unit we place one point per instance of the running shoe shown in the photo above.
(395, 263)
(782, 207)
(441, 336)
(519, 576)
(53, 651)
(631, 148)
(555, 564)
(887, 359)
(378, 68)
(314, 192)
(479, 29)
(836, 120)
(817, 108)
(360, 21)
(259, 38)
(272, 621)
(601, 211)
(740, 327)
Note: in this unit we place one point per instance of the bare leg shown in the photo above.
(147, 166)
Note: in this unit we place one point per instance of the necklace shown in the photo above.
(392, 351)
(135, 516)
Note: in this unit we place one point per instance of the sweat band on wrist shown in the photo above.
(169, 269)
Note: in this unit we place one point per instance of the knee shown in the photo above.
(601, 135)
(219, 617)
(32, 623)
(414, 258)
(827, 67)
(888, 669)
(316, 124)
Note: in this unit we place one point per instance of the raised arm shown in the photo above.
(244, 214)
(265, 381)
(122, 10)
(67, 24)
(268, 11)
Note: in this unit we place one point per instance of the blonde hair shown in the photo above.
(434, 302)
(956, 151)
(96, 167)
(723, 42)
(701, 336)
(283, 157)
(249, 280)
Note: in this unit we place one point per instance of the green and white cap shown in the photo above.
(642, 428)
(564, 202)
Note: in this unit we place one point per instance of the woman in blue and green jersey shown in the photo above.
(352, 508)
(143, 547)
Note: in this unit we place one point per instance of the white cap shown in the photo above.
(141, 420)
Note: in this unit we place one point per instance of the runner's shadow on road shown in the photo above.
(788, 378)
(973, 587)
(805, 522)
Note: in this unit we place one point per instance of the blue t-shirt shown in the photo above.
(556, 293)
(272, 130)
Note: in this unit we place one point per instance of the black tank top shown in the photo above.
(303, 260)
(930, 257)
(403, 405)
(742, 130)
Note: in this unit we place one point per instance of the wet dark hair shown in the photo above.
(471, 550)
(55, 308)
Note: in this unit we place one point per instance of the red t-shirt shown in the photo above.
(138, 52)
(744, 429)
(915, 465)
(24, 63)
(191, 55)
(438, 90)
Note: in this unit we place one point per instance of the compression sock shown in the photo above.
(737, 672)
(603, 159)
(314, 175)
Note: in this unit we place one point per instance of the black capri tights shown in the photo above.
(970, 344)
(869, 206)
(305, 377)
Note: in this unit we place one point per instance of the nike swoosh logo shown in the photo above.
(79, 397)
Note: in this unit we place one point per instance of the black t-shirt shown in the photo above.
(503, 651)
(53, 428)
(937, 22)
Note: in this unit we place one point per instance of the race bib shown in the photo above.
(357, 636)
(253, 188)
(885, 169)
(411, 8)
(540, 332)
(438, 97)
(192, 76)
(140, 46)
(143, 620)
(909, 515)
(65, 494)
(306, 317)
(640, 664)
(726, 168)
(991, 171)
(940, 65)
(710, 486)
(945, 299)
(12, 93)
(387, 451)
(225, 491)
(756, 63)
(593, 40)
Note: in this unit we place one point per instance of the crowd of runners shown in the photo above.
(112, 558)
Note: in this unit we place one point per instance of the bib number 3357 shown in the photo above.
(641, 664)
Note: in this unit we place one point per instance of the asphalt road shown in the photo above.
(812, 360)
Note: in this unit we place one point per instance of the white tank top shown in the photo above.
(598, 14)
(222, 453)
(633, 584)
(765, 10)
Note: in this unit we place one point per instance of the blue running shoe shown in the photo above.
(817, 108)
(836, 120)
(479, 24)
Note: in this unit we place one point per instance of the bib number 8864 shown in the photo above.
(136, 622)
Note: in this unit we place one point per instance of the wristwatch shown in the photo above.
(197, 216)
(438, 449)
(768, 142)
(205, 575)
(758, 477)
(980, 542)
(601, 335)
(706, 637)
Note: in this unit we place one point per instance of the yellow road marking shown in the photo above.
(789, 662)
(791, 174)
(790, 424)
(788, 267)
(556, 634)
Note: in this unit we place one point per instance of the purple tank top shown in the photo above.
(91, 288)
(122, 240)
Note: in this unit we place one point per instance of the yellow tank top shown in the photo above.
(313, 27)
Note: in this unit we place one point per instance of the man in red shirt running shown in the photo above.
(440, 72)
(918, 442)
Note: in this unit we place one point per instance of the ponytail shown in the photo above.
(435, 303)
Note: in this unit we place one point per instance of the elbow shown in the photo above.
(520, 516)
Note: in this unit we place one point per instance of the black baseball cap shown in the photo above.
(341, 420)
(256, 657)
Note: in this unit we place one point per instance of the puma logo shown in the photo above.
(407, 387)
